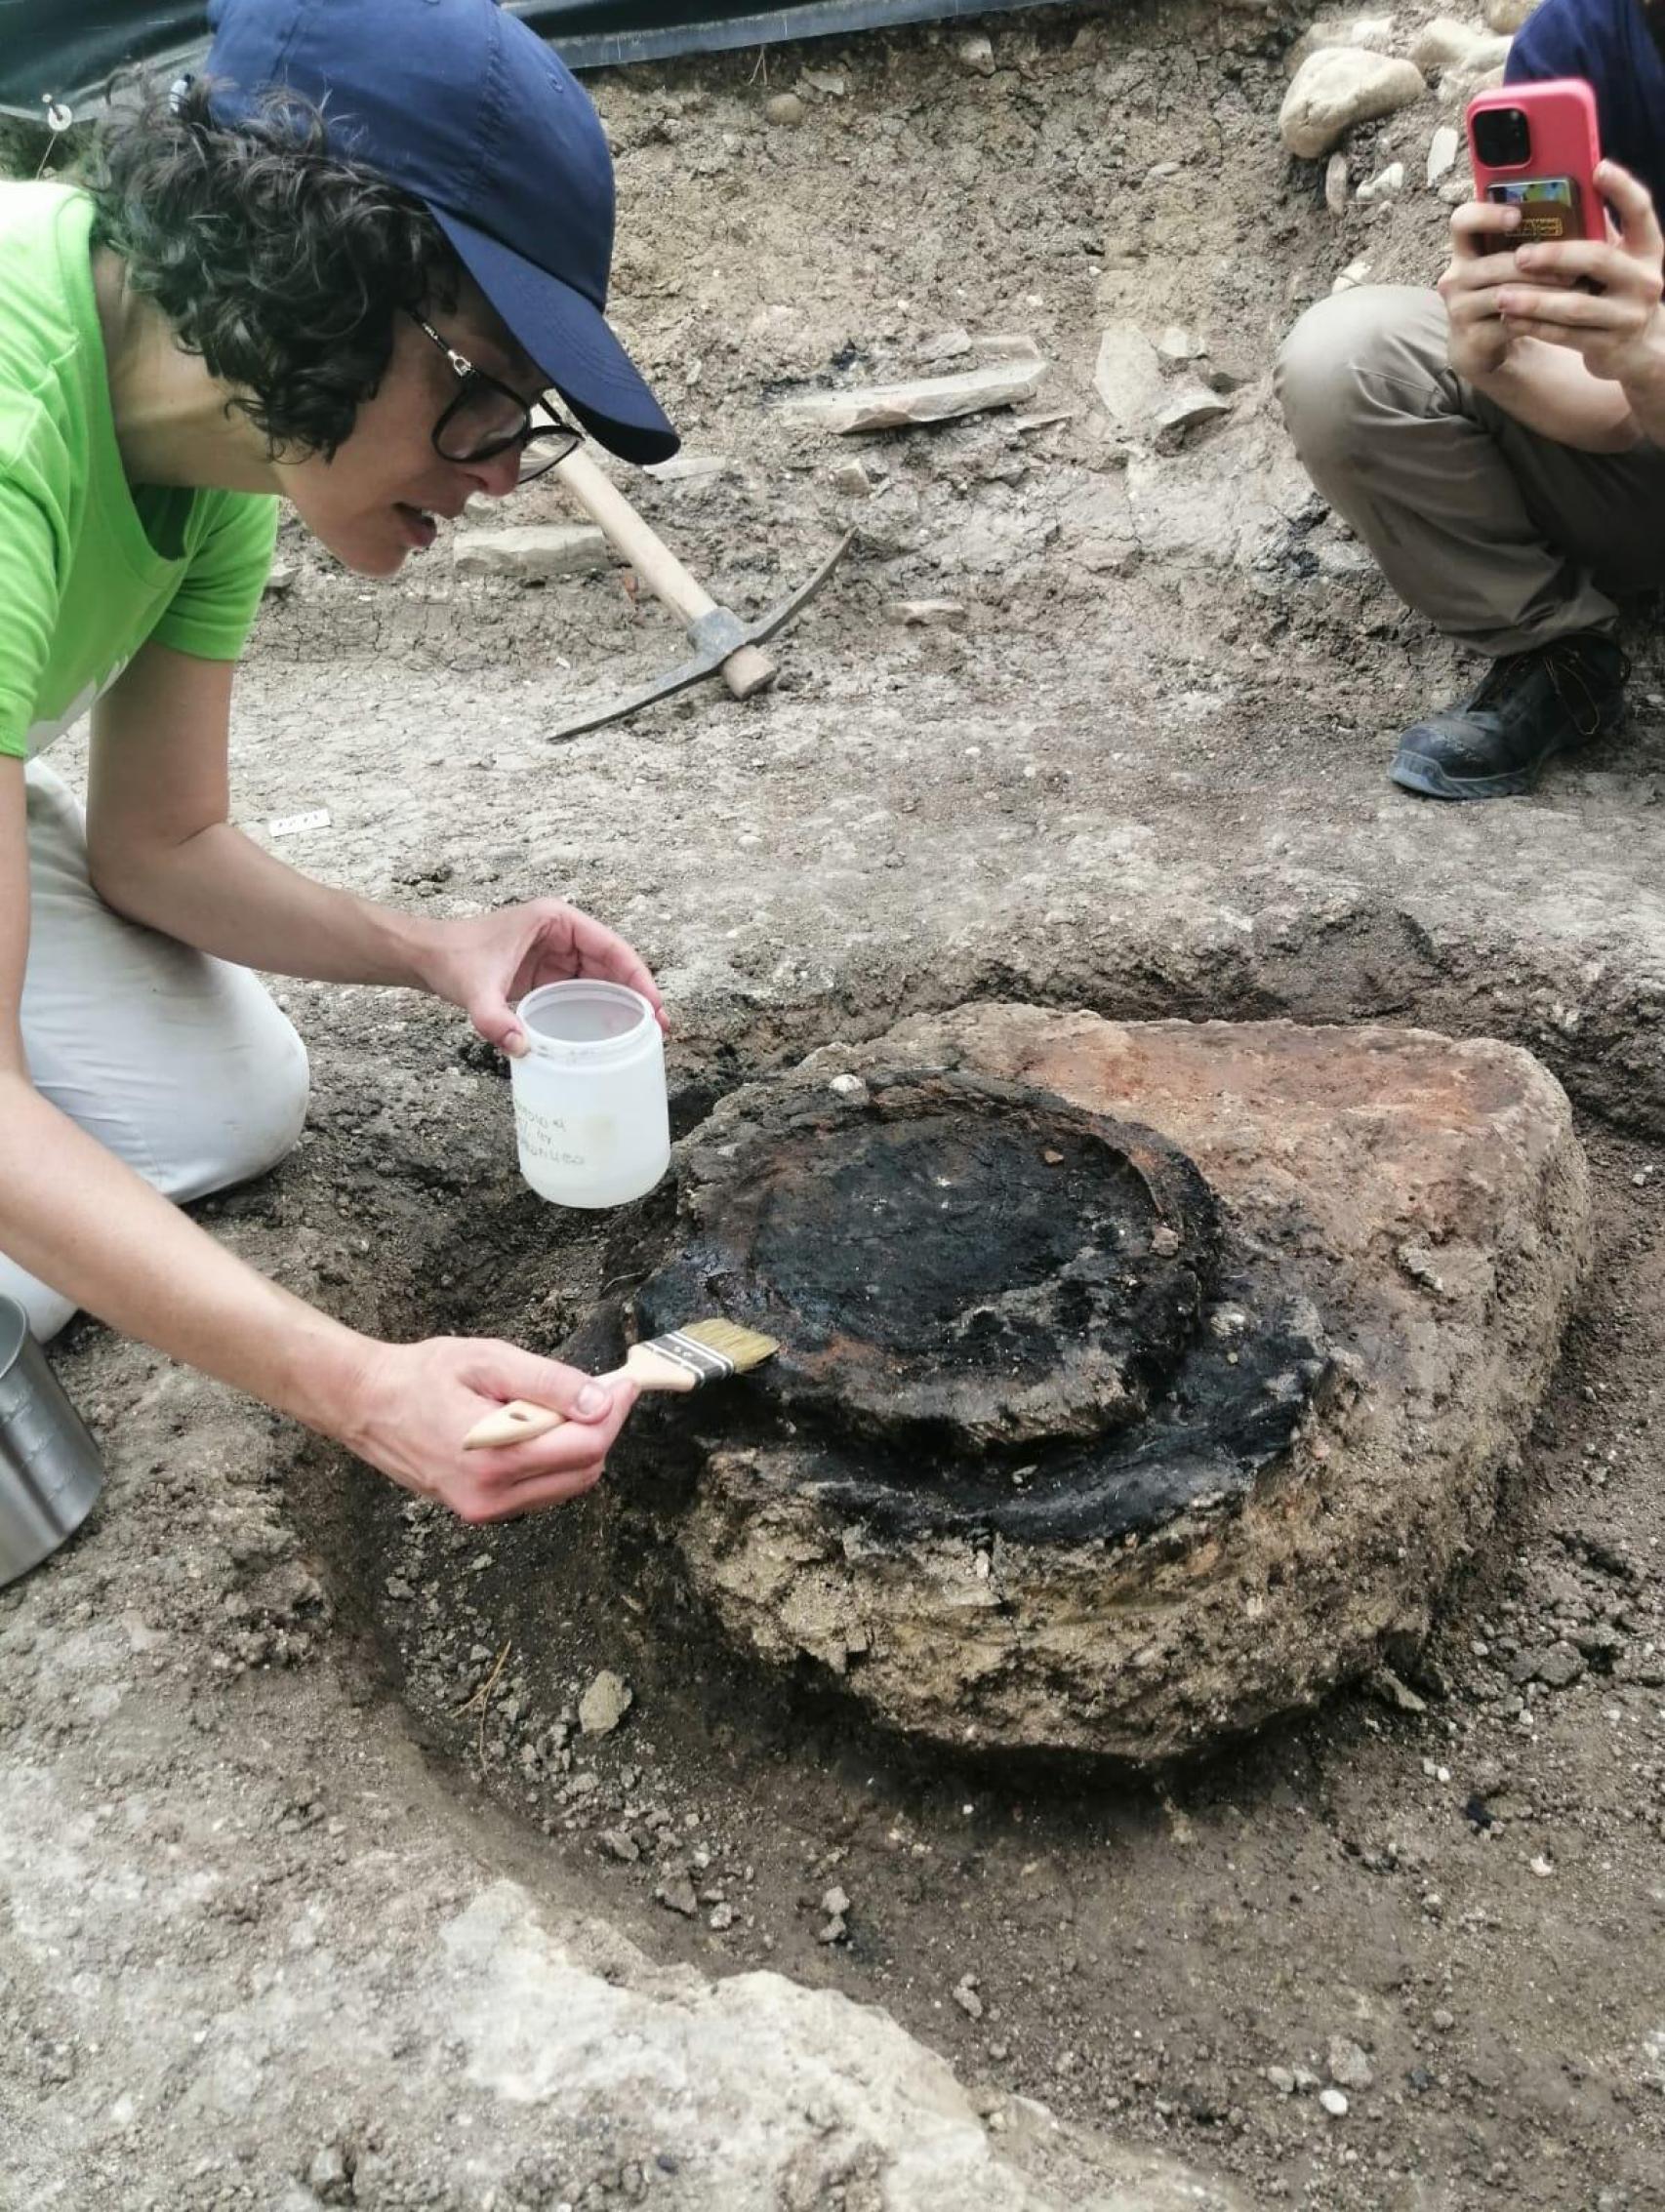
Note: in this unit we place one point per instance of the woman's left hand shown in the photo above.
(1619, 330)
(484, 963)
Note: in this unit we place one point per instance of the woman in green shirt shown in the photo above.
(342, 268)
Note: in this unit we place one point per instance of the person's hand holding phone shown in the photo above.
(1482, 262)
(1617, 327)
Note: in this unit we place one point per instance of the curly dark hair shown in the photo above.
(279, 263)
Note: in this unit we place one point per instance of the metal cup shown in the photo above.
(50, 1468)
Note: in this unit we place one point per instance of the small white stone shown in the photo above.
(1334, 2102)
(1443, 150)
(1177, 345)
(1191, 405)
(1386, 185)
(1445, 43)
(1354, 273)
(688, 467)
(851, 478)
(1128, 376)
(604, 1704)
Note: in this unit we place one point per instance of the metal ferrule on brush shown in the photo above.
(700, 1360)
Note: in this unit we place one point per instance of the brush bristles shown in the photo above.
(743, 1349)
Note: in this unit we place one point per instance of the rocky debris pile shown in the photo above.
(571, 1752)
(1349, 70)
(1241, 1484)
(1584, 1617)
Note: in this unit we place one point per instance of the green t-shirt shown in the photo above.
(90, 567)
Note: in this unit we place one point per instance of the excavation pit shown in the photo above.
(1138, 1382)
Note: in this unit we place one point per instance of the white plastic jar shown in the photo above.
(591, 1111)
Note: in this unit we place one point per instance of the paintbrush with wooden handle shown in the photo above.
(682, 1359)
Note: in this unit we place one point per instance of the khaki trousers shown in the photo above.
(1502, 537)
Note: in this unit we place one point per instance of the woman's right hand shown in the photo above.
(411, 1406)
(1481, 264)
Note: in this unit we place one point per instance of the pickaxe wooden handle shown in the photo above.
(747, 670)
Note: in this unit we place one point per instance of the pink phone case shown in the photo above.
(1566, 141)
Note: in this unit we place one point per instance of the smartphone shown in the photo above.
(1536, 147)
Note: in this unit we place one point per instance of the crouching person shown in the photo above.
(1499, 443)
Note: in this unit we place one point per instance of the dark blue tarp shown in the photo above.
(66, 50)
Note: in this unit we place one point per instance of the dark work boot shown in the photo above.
(1528, 707)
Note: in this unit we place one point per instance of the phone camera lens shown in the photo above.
(1502, 139)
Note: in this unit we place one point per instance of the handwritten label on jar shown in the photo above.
(589, 1138)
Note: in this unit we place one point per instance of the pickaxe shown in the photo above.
(722, 641)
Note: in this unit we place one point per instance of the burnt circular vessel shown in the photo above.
(948, 1259)
(995, 1309)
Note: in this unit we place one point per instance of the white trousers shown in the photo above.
(181, 1064)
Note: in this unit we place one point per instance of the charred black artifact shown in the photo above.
(997, 1312)
(1138, 1382)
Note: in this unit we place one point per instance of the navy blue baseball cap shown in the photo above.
(462, 106)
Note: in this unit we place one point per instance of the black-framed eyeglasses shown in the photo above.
(486, 419)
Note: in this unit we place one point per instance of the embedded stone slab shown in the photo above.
(1405, 1223)
(1005, 382)
(533, 552)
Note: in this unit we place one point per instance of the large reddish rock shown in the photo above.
(1401, 1222)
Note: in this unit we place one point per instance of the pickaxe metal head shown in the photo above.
(717, 636)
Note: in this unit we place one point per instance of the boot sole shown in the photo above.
(1416, 772)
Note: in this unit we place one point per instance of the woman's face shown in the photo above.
(377, 500)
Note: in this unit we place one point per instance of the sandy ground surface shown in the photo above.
(1146, 776)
